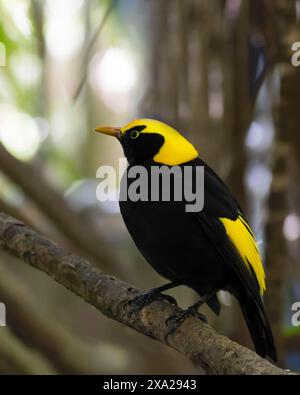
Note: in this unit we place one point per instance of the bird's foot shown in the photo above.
(146, 298)
(176, 320)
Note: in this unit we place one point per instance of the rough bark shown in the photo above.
(214, 353)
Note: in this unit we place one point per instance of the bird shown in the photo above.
(208, 250)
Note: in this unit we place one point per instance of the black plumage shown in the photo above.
(193, 248)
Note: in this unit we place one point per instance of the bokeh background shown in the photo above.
(221, 72)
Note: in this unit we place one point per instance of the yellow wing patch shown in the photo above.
(244, 241)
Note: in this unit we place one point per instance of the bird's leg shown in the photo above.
(147, 297)
(192, 311)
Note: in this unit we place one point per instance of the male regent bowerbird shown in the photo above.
(208, 250)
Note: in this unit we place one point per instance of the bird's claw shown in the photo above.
(177, 319)
(168, 298)
(144, 299)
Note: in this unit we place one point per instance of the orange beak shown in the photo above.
(109, 130)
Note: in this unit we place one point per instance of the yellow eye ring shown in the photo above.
(134, 134)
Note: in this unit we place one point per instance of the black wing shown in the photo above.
(218, 220)
(219, 204)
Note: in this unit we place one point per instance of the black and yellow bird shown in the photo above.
(209, 250)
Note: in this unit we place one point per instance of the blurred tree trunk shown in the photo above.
(52, 203)
(199, 80)
(16, 358)
(286, 114)
(43, 334)
(240, 105)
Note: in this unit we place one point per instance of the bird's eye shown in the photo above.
(134, 134)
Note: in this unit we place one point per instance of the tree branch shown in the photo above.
(90, 47)
(214, 353)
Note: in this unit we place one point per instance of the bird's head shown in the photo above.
(148, 139)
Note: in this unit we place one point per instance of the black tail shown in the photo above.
(258, 326)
